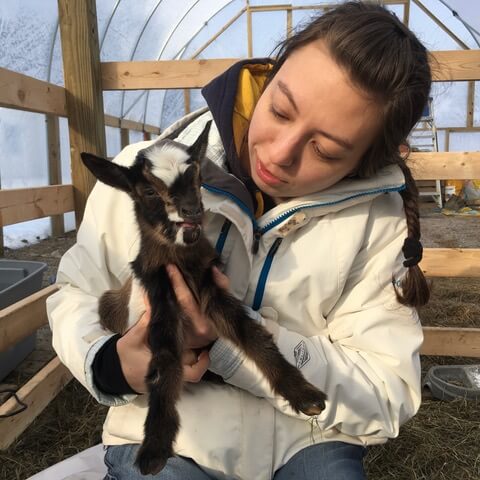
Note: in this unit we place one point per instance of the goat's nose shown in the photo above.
(191, 211)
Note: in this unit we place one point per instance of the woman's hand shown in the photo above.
(202, 332)
(134, 352)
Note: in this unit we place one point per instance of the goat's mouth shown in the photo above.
(191, 231)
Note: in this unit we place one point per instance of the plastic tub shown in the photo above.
(18, 279)
(448, 382)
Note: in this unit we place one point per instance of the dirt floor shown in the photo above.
(442, 442)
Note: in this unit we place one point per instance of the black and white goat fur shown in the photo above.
(164, 184)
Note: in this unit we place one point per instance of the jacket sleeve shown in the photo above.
(367, 361)
(97, 262)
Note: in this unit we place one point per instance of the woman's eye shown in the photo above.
(277, 114)
(321, 154)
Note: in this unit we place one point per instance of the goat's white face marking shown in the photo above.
(175, 217)
(179, 237)
(168, 162)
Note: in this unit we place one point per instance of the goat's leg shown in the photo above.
(233, 323)
(164, 380)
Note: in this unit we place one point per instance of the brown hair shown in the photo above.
(386, 60)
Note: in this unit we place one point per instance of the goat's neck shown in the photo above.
(155, 254)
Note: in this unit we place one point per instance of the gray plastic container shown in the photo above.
(448, 382)
(18, 280)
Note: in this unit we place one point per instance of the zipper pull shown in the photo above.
(256, 240)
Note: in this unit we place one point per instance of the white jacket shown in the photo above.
(326, 295)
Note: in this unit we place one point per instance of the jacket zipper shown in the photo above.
(262, 279)
(258, 232)
(223, 236)
(273, 223)
(256, 229)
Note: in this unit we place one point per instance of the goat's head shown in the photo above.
(164, 184)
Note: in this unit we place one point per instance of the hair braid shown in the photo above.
(415, 288)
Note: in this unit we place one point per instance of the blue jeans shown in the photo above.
(325, 461)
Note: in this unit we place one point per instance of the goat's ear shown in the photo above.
(108, 172)
(198, 149)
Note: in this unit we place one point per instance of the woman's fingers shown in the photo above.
(182, 292)
(220, 278)
(195, 367)
(202, 331)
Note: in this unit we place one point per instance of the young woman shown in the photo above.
(314, 212)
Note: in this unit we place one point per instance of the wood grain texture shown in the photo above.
(451, 262)
(37, 393)
(22, 204)
(24, 317)
(444, 165)
(451, 342)
(81, 65)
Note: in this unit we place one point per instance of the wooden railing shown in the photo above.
(22, 92)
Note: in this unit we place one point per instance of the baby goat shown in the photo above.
(164, 184)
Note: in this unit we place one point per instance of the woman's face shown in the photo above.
(310, 127)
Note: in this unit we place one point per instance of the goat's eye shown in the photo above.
(149, 192)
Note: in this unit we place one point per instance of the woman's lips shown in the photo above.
(265, 175)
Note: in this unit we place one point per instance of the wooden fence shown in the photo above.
(81, 102)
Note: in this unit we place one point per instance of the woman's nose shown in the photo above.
(284, 151)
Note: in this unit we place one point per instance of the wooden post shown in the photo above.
(186, 100)
(470, 103)
(124, 137)
(249, 31)
(406, 13)
(83, 85)
(289, 22)
(147, 136)
(54, 167)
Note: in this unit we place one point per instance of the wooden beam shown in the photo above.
(451, 262)
(22, 92)
(22, 204)
(225, 27)
(444, 165)
(168, 74)
(54, 167)
(21, 319)
(81, 66)
(37, 393)
(456, 65)
(116, 122)
(163, 74)
(270, 8)
(451, 342)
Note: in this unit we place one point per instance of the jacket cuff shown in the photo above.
(102, 397)
(107, 370)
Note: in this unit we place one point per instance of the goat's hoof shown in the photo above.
(151, 461)
(310, 402)
(312, 409)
